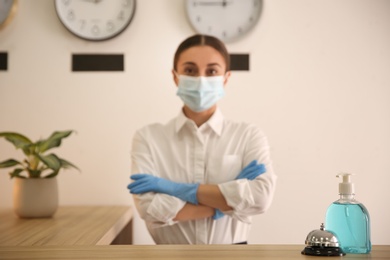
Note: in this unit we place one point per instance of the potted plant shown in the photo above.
(35, 187)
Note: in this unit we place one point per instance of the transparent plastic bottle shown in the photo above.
(349, 220)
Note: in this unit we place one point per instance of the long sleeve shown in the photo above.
(246, 197)
(159, 209)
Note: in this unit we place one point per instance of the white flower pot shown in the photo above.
(35, 198)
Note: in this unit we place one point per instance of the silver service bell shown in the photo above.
(321, 242)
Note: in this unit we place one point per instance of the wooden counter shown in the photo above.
(73, 225)
(90, 232)
(176, 252)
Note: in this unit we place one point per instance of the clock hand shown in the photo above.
(224, 3)
(93, 1)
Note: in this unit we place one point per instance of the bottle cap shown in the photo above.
(346, 187)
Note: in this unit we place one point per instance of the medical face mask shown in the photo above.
(200, 93)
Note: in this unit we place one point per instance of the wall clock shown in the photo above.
(95, 20)
(228, 20)
(7, 11)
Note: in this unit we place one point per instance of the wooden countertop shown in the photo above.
(173, 252)
(71, 225)
(86, 232)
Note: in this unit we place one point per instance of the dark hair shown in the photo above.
(203, 40)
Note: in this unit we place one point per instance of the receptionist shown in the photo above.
(200, 178)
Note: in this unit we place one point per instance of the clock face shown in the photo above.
(228, 20)
(95, 20)
(7, 10)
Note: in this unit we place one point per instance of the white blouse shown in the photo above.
(214, 153)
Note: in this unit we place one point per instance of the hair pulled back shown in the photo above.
(202, 40)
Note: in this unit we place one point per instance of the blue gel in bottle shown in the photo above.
(349, 220)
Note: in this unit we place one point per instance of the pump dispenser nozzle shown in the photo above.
(346, 187)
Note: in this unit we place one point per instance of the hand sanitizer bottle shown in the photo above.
(349, 220)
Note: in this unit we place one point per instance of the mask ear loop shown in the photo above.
(225, 77)
(177, 75)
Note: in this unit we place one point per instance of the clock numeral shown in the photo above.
(121, 15)
(239, 30)
(82, 24)
(198, 19)
(95, 30)
(224, 34)
(70, 15)
(110, 26)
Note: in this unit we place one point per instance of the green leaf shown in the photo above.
(18, 140)
(16, 173)
(29, 149)
(51, 161)
(65, 164)
(52, 175)
(53, 141)
(9, 163)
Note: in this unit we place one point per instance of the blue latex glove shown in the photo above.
(148, 183)
(218, 214)
(250, 172)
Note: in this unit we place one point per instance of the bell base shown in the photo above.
(322, 251)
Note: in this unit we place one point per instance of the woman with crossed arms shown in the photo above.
(200, 178)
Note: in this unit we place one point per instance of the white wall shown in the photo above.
(319, 86)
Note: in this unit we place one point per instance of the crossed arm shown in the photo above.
(203, 200)
(209, 198)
